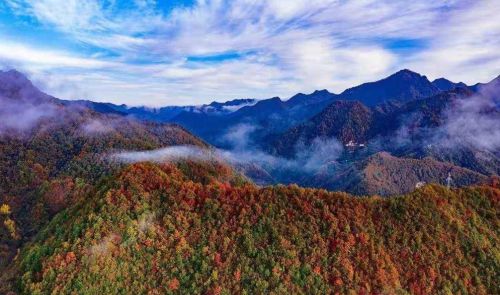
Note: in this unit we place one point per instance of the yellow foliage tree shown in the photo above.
(5, 209)
(11, 227)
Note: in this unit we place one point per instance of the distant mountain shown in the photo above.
(213, 121)
(491, 88)
(402, 123)
(101, 107)
(262, 108)
(344, 120)
(226, 107)
(404, 85)
(163, 114)
(265, 116)
(353, 121)
(308, 99)
(411, 131)
(445, 84)
(384, 174)
(275, 115)
(16, 86)
(417, 114)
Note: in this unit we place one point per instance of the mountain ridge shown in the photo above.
(284, 128)
(403, 85)
(147, 222)
(86, 194)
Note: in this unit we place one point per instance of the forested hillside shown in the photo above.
(196, 228)
(75, 218)
(321, 140)
(49, 161)
(387, 175)
(220, 147)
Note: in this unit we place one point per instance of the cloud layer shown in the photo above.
(243, 154)
(148, 52)
(19, 116)
(473, 122)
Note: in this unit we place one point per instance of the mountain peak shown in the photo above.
(496, 80)
(315, 97)
(13, 78)
(15, 85)
(403, 85)
(445, 84)
(12, 72)
(406, 74)
(234, 102)
(441, 80)
(271, 102)
(323, 91)
(489, 86)
(13, 81)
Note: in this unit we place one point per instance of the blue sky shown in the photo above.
(179, 52)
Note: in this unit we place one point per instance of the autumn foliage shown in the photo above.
(193, 228)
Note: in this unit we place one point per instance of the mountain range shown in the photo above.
(180, 196)
(272, 115)
(405, 115)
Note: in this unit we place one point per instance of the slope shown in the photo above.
(49, 152)
(343, 120)
(156, 230)
(403, 86)
(387, 175)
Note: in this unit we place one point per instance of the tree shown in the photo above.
(5, 209)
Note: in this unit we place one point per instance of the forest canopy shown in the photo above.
(198, 228)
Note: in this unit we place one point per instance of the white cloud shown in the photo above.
(41, 58)
(70, 14)
(473, 121)
(309, 159)
(173, 153)
(97, 127)
(19, 116)
(294, 46)
(466, 47)
(319, 64)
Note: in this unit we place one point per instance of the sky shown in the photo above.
(185, 52)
